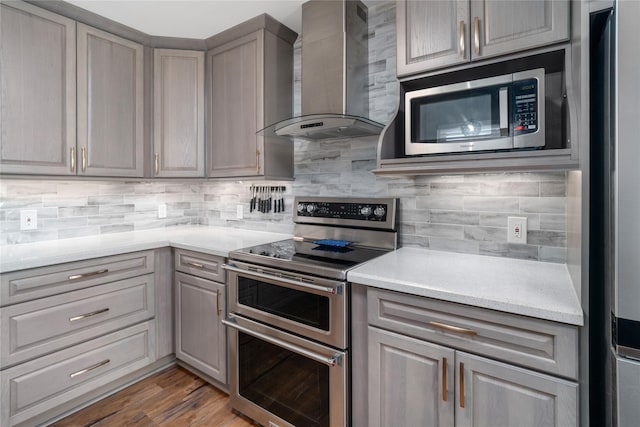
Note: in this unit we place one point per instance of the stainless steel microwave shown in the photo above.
(495, 113)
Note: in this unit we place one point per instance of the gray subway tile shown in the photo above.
(553, 189)
(485, 234)
(510, 189)
(510, 250)
(116, 228)
(455, 188)
(452, 245)
(454, 217)
(543, 204)
(495, 204)
(552, 254)
(440, 230)
(73, 211)
(556, 222)
(547, 238)
(440, 202)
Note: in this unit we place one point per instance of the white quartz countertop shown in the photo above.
(530, 288)
(212, 240)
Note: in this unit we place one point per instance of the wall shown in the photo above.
(461, 213)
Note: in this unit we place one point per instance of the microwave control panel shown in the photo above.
(525, 106)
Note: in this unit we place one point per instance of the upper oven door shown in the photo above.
(309, 306)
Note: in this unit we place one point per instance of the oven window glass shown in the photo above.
(459, 116)
(303, 307)
(284, 383)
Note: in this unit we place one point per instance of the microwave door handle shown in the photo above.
(503, 99)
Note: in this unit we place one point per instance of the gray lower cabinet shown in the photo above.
(73, 332)
(250, 86)
(421, 369)
(200, 336)
(437, 34)
(38, 91)
(110, 104)
(178, 143)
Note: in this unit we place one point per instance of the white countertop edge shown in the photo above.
(569, 317)
(201, 238)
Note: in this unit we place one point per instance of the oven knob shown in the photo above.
(301, 207)
(311, 207)
(366, 211)
(379, 211)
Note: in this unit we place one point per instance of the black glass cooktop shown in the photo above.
(307, 257)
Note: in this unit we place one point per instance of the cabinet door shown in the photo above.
(236, 110)
(178, 113)
(200, 336)
(494, 394)
(499, 27)
(110, 104)
(431, 34)
(410, 381)
(38, 91)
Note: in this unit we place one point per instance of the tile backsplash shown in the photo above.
(460, 213)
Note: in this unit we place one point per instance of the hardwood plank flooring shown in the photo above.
(174, 397)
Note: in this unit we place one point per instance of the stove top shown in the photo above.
(307, 257)
(332, 235)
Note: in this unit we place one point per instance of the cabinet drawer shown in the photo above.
(34, 328)
(24, 285)
(539, 344)
(199, 264)
(42, 384)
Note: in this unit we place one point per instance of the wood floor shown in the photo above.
(174, 397)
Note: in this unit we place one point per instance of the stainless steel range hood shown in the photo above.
(335, 74)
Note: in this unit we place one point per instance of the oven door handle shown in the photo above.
(329, 361)
(324, 289)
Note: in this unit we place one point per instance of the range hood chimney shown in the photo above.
(335, 74)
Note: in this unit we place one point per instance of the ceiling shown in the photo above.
(197, 19)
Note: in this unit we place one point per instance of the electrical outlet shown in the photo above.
(28, 220)
(239, 211)
(517, 230)
(162, 210)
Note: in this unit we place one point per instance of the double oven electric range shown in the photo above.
(288, 318)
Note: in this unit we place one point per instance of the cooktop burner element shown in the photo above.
(331, 236)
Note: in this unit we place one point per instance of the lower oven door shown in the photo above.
(310, 306)
(279, 379)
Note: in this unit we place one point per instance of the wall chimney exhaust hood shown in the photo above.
(335, 74)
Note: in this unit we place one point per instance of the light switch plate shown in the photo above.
(28, 220)
(162, 210)
(517, 230)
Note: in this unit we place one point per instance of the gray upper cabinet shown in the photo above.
(110, 104)
(436, 34)
(250, 85)
(178, 113)
(431, 34)
(38, 57)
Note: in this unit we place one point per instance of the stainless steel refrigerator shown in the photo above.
(615, 216)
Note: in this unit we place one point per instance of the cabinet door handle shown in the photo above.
(156, 164)
(452, 328)
(461, 43)
(84, 316)
(218, 303)
(476, 35)
(461, 385)
(90, 368)
(85, 275)
(257, 161)
(195, 264)
(73, 159)
(444, 379)
(83, 155)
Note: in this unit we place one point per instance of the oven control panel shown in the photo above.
(347, 210)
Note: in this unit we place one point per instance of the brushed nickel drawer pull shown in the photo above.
(444, 379)
(476, 35)
(85, 275)
(195, 264)
(461, 42)
(453, 328)
(156, 164)
(83, 155)
(84, 316)
(257, 162)
(72, 157)
(90, 368)
(461, 385)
